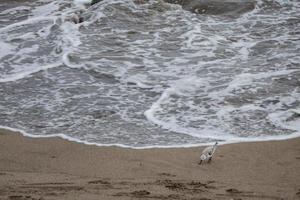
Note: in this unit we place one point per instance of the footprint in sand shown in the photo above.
(233, 190)
(103, 182)
(166, 174)
(136, 194)
(21, 197)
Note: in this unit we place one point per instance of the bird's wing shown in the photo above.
(207, 150)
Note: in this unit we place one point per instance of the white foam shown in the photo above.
(248, 79)
(45, 10)
(183, 87)
(180, 87)
(190, 35)
(243, 47)
(28, 72)
(15, 10)
(5, 49)
(233, 140)
(66, 60)
(288, 119)
(296, 111)
(71, 33)
(82, 2)
(139, 80)
(71, 39)
(191, 86)
(27, 21)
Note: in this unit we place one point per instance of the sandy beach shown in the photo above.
(53, 168)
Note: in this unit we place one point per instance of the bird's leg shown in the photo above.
(200, 162)
(209, 160)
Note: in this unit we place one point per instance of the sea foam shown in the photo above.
(151, 74)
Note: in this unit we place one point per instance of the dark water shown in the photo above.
(150, 74)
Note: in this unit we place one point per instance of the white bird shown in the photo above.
(208, 153)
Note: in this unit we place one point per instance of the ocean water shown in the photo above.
(149, 74)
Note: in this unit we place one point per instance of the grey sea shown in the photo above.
(149, 73)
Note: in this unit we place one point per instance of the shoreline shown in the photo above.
(54, 168)
(233, 141)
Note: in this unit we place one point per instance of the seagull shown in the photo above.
(208, 153)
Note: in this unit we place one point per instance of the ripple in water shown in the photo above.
(148, 73)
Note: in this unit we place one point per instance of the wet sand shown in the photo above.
(53, 168)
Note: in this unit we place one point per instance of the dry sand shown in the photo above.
(54, 168)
